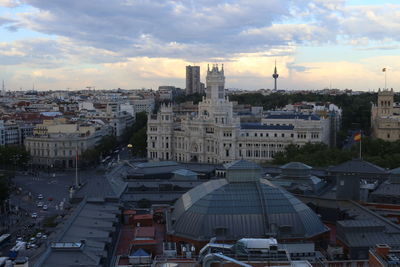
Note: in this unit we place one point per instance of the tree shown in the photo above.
(138, 139)
(139, 142)
(316, 155)
(196, 98)
(91, 156)
(382, 153)
(4, 188)
(12, 157)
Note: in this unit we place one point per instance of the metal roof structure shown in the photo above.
(388, 189)
(109, 186)
(156, 164)
(296, 166)
(242, 165)
(358, 166)
(365, 229)
(83, 238)
(242, 209)
(395, 171)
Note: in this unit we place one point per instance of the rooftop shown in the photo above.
(358, 166)
(242, 209)
(259, 126)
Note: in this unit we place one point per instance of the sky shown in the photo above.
(74, 44)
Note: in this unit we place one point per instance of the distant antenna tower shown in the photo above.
(3, 88)
(275, 76)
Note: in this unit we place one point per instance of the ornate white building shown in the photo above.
(215, 135)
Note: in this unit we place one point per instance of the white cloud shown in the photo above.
(9, 3)
(129, 43)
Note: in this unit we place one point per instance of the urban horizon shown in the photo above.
(316, 44)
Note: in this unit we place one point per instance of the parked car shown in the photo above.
(40, 204)
(40, 196)
(39, 235)
(45, 207)
(34, 215)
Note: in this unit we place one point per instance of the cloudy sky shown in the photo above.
(59, 44)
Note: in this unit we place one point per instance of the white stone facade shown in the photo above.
(385, 117)
(215, 135)
(59, 149)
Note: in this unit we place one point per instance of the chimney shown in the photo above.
(382, 250)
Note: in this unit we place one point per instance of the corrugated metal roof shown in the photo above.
(247, 209)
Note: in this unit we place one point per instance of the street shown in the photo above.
(40, 199)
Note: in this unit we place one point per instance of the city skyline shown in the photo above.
(130, 44)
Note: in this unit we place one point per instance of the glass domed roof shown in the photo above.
(242, 209)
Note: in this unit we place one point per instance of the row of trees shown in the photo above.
(4, 188)
(134, 135)
(380, 152)
(139, 136)
(13, 157)
(92, 156)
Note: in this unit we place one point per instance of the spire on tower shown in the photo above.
(3, 88)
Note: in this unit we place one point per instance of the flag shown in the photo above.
(357, 137)
(384, 69)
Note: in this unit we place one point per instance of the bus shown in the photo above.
(19, 246)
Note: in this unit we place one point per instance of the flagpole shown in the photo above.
(76, 167)
(360, 144)
(385, 80)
